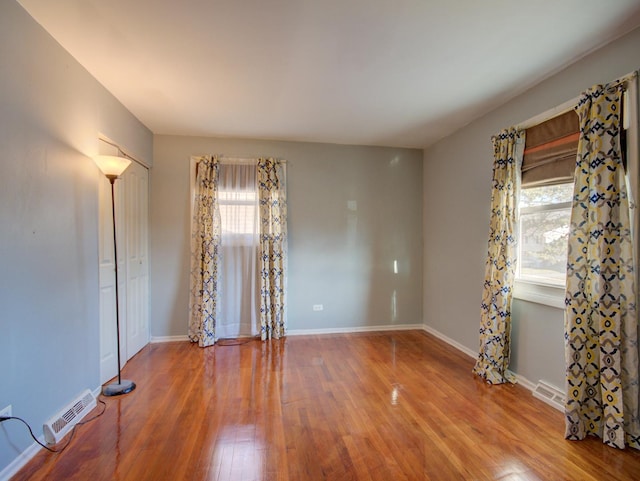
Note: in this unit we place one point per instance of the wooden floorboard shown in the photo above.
(376, 406)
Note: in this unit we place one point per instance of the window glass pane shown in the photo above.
(550, 194)
(238, 219)
(239, 216)
(543, 245)
(229, 196)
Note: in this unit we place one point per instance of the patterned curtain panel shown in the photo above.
(205, 254)
(495, 323)
(601, 330)
(273, 245)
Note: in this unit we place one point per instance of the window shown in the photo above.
(545, 213)
(544, 207)
(226, 225)
(238, 204)
(238, 212)
(544, 204)
(546, 191)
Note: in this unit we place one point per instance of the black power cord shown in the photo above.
(73, 431)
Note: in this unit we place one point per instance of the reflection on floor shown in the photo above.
(374, 406)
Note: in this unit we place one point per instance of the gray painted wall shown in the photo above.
(340, 258)
(457, 186)
(51, 112)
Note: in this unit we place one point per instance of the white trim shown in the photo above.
(562, 108)
(549, 114)
(523, 381)
(21, 460)
(160, 339)
(306, 332)
(347, 330)
(27, 455)
(126, 152)
(538, 293)
(451, 342)
(535, 209)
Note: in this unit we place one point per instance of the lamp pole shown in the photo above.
(112, 180)
(112, 167)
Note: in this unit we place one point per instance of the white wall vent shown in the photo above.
(59, 425)
(549, 394)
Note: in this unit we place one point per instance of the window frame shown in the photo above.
(530, 289)
(551, 294)
(247, 239)
(537, 291)
(550, 207)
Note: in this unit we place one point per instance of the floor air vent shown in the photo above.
(60, 424)
(549, 394)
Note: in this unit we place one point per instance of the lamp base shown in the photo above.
(115, 389)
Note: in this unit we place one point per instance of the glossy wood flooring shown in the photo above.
(383, 406)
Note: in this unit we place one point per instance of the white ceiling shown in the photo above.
(373, 72)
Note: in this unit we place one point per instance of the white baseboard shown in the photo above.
(304, 332)
(158, 339)
(523, 381)
(450, 341)
(97, 391)
(347, 330)
(21, 460)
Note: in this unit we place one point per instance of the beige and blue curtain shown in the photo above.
(495, 323)
(601, 324)
(273, 246)
(205, 254)
(208, 252)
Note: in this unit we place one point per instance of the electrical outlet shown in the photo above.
(318, 307)
(6, 412)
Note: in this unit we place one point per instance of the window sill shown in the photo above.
(546, 294)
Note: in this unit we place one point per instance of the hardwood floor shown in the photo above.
(381, 406)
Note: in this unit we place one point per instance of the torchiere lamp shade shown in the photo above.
(110, 165)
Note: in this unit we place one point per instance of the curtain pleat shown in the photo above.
(495, 323)
(273, 244)
(601, 331)
(633, 167)
(205, 254)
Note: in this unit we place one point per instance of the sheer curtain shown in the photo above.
(238, 203)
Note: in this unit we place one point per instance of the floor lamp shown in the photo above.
(112, 167)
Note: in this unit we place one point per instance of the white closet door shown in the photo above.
(131, 196)
(137, 261)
